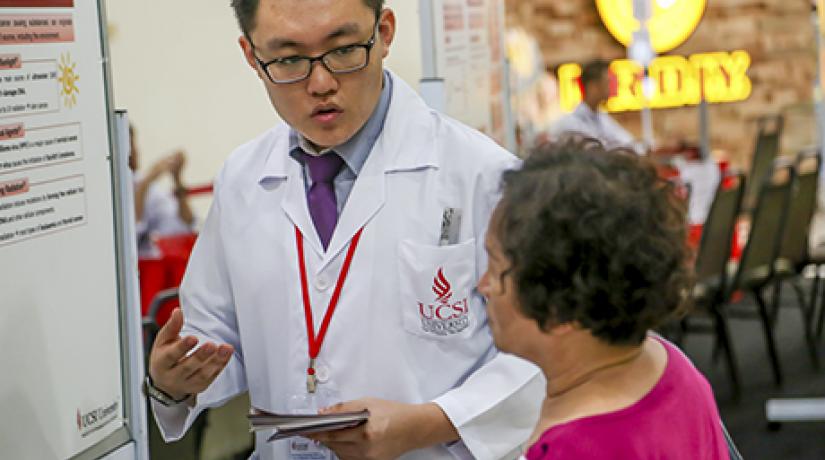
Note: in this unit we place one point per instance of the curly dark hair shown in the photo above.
(594, 237)
(245, 11)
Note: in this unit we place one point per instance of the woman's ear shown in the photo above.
(560, 329)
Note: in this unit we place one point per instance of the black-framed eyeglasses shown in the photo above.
(341, 60)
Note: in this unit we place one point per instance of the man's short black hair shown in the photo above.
(245, 11)
(594, 71)
(594, 237)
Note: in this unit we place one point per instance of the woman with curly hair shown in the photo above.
(587, 255)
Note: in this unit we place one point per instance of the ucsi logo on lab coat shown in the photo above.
(443, 316)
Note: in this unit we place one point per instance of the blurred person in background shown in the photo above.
(588, 119)
(587, 255)
(159, 212)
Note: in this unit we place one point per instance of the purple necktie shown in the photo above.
(323, 206)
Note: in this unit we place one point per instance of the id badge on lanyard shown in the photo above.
(317, 395)
(309, 403)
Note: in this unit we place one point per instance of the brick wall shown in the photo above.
(778, 34)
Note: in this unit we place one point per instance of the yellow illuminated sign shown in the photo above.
(671, 22)
(676, 81)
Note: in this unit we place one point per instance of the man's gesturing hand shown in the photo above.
(178, 374)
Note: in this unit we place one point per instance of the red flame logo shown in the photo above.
(441, 287)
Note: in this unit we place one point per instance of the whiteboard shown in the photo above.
(68, 316)
(465, 73)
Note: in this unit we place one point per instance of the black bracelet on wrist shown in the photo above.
(150, 390)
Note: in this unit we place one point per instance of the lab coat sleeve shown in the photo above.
(496, 408)
(566, 125)
(209, 314)
(620, 136)
(616, 136)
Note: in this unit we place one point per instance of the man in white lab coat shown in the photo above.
(588, 119)
(339, 260)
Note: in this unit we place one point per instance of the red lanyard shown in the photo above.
(314, 341)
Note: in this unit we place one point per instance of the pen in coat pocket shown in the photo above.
(450, 226)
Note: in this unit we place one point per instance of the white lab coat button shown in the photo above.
(321, 283)
(322, 373)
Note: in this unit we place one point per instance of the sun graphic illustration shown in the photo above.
(68, 79)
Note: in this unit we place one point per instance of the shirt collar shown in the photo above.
(355, 151)
(584, 109)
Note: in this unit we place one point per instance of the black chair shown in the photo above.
(710, 270)
(803, 409)
(768, 137)
(190, 445)
(150, 321)
(795, 242)
(809, 163)
(756, 268)
(717, 233)
(794, 255)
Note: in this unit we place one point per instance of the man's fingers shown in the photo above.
(345, 436)
(171, 330)
(349, 406)
(332, 409)
(188, 365)
(190, 374)
(193, 363)
(171, 354)
(212, 366)
(198, 360)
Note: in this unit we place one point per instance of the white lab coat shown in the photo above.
(598, 125)
(242, 284)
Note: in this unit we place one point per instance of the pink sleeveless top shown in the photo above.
(676, 420)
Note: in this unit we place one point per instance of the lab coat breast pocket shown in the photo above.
(436, 284)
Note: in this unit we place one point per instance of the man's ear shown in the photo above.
(247, 50)
(386, 30)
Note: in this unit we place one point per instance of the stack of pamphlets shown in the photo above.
(288, 425)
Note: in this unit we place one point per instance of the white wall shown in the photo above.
(405, 54)
(178, 70)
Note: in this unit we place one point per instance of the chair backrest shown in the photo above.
(767, 224)
(717, 233)
(794, 246)
(151, 324)
(769, 132)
